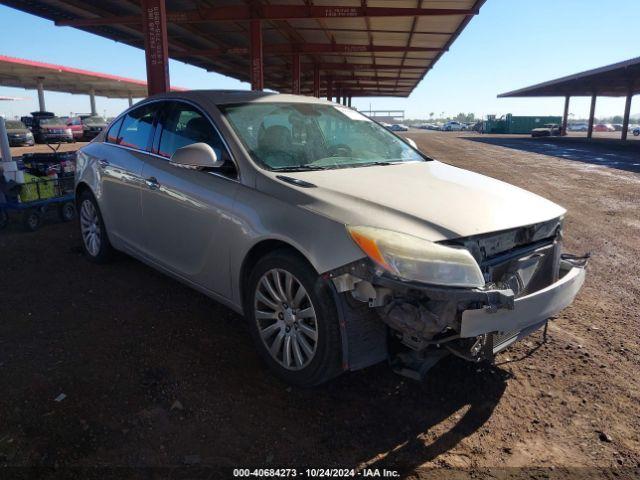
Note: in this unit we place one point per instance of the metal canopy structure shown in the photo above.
(28, 74)
(340, 48)
(621, 79)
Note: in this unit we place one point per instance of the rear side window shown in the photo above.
(137, 127)
(184, 125)
(112, 134)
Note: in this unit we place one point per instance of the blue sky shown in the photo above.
(511, 44)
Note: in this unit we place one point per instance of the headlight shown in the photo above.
(416, 259)
(29, 135)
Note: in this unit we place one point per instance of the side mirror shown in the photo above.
(196, 156)
(412, 143)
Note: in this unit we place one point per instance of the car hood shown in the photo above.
(431, 200)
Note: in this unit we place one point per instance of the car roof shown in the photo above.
(222, 97)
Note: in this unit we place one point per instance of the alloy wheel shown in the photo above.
(90, 227)
(286, 319)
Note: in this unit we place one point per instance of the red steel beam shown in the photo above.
(308, 48)
(156, 46)
(295, 74)
(362, 66)
(231, 13)
(256, 52)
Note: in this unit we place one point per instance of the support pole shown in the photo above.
(592, 113)
(41, 104)
(329, 89)
(92, 102)
(257, 64)
(349, 101)
(295, 74)
(316, 80)
(156, 46)
(565, 117)
(130, 100)
(627, 111)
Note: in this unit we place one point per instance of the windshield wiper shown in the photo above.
(302, 168)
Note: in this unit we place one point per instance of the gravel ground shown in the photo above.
(155, 374)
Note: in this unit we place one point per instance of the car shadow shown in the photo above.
(419, 421)
(607, 154)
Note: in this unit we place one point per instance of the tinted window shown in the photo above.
(184, 125)
(137, 127)
(112, 135)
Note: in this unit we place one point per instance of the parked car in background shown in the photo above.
(47, 128)
(603, 127)
(92, 125)
(18, 133)
(577, 127)
(453, 126)
(398, 127)
(75, 124)
(617, 127)
(323, 229)
(636, 131)
(547, 130)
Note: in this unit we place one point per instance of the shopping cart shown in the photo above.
(48, 183)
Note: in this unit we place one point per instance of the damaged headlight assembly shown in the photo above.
(414, 259)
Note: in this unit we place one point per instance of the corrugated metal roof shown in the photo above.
(616, 80)
(187, 39)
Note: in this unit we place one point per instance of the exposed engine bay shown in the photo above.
(427, 319)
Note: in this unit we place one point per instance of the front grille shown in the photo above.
(526, 259)
(527, 269)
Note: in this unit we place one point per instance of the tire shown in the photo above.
(67, 211)
(31, 219)
(95, 241)
(305, 369)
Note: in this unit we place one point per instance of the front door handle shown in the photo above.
(103, 163)
(152, 183)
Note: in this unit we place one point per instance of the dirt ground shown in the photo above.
(155, 374)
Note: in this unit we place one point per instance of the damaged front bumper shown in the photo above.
(474, 324)
(529, 312)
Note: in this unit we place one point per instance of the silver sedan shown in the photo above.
(340, 242)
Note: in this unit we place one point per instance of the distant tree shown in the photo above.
(617, 119)
(431, 114)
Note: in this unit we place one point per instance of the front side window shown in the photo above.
(137, 127)
(184, 125)
(309, 136)
(112, 134)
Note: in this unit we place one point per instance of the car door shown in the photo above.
(185, 212)
(121, 161)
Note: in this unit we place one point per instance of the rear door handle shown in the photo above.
(152, 183)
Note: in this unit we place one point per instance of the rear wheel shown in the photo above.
(32, 219)
(95, 242)
(67, 211)
(293, 320)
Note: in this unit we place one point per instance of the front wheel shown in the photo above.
(95, 241)
(293, 320)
